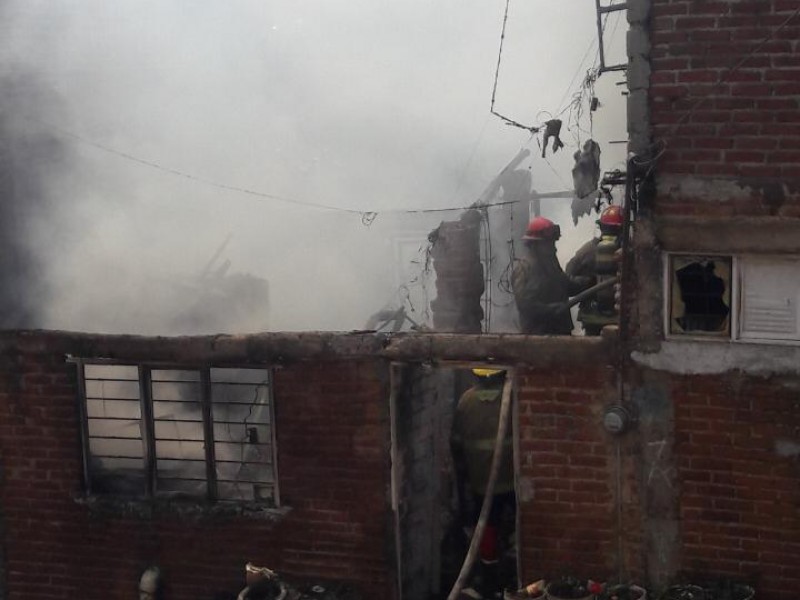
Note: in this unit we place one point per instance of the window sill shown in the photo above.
(188, 508)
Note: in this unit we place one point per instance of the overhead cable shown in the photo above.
(367, 216)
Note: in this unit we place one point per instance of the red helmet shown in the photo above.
(611, 216)
(541, 228)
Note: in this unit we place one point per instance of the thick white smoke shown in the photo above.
(359, 105)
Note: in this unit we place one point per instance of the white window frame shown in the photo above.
(147, 424)
(736, 306)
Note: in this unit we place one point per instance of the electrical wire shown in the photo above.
(574, 77)
(508, 121)
(367, 216)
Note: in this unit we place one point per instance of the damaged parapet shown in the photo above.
(456, 253)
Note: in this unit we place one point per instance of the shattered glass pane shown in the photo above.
(243, 448)
(700, 294)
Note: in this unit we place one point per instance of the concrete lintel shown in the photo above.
(714, 358)
(278, 348)
(734, 235)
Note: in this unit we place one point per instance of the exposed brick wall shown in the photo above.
(333, 444)
(456, 256)
(717, 457)
(568, 477)
(738, 459)
(747, 127)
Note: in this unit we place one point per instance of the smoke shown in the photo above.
(118, 111)
(28, 158)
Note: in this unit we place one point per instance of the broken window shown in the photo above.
(195, 433)
(700, 295)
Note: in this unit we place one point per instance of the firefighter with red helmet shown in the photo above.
(541, 288)
(595, 259)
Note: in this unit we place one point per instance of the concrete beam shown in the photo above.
(733, 235)
(280, 348)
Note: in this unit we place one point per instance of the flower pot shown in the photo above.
(684, 592)
(624, 592)
(558, 590)
(736, 591)
(521, 595)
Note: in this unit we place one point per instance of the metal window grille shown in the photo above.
(203, 433)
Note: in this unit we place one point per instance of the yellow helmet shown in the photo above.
(487, 372)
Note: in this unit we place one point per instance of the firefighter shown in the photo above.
(541, 288)
(595, 259)
(472, 441)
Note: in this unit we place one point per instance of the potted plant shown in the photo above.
(570, 588)
(726, 589)
(623, 591)
(684, 592)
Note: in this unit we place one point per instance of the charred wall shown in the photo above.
(704, 483)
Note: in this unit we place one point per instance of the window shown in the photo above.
(770, 294)
(700, 295)
(747, 298)
(189, 433)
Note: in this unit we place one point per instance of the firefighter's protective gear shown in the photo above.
(480, 372)
(542, 291)
(596, 260)
(541, 228)
(474, 434)
(611, 216)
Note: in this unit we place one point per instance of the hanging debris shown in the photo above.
(585, 179)
(552, 130)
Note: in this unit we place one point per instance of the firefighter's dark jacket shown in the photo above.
(583, 265)
(542, 289)
(473, 439)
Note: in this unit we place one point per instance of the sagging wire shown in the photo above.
(508, 121)
(403, 294)
(552, 168)
(367, 217)
(504, 282)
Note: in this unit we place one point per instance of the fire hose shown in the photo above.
(589, 292)
(472, 553)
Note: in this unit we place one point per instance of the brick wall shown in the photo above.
(746, 129)
(738, 458)
(333, 443)
(705, 484)
(568, 486)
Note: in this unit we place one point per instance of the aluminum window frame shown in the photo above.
(147, 420)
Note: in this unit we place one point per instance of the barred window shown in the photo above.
(201, 433)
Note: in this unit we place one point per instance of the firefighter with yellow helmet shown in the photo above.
(472, 441)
